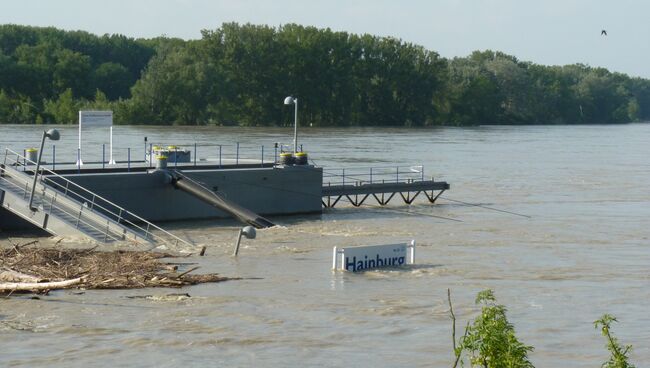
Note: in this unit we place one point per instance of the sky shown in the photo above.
(549, 32)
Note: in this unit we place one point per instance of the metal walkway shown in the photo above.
(381, 183)
(65, 208)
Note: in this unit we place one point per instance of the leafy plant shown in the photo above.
(490, 340)
(619, 354)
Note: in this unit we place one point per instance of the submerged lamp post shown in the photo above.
(54, 135)
(288, 101)
(248, 232)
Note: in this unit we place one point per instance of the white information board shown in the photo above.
(364, 258)
(96, 119)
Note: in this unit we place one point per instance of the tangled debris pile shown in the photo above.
(32, 269)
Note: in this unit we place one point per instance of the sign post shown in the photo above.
(111, 161)
(356, 259)
(96, 119)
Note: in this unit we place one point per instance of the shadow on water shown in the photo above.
(365, 212)
(374, 212)
(423, 266)
(402, 269)
(87, 303)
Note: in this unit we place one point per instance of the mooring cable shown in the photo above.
(393, 209)
(383, 208)
(485, 207)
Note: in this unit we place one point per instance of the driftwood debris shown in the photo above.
(38, 269)
(39, 286)
(13, 276)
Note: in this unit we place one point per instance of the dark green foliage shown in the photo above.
(18, 109)
(618, 354)
(64, 109)
(177, 87)
(491, 341)
(112, 78)
(38, 65)
(239, 74)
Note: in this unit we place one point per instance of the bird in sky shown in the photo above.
(603, 33)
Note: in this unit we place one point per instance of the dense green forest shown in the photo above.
(240, 74)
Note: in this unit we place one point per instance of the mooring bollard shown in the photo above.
(161, 162)
(31, 155)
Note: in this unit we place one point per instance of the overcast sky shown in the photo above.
(551, 32)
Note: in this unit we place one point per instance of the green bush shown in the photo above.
(490, 340)
(619, 354)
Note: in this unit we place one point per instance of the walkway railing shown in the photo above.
(90, 201)
(129, 157)
(48, 201)
(373, 175)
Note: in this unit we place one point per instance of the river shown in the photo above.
(561, 236)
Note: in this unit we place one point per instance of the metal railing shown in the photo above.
(218, 154)
(130, 157)
(373, 175)
(135, 155)
(44, 197)
(96, 204)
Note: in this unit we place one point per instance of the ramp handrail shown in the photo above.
(52, 201)
(373, 175)
(117, 213)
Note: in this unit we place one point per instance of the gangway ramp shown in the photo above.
(62, 207)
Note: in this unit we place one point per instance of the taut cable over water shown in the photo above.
(392, 209)
(486, 207)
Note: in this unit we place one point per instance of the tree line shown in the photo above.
(240, 74)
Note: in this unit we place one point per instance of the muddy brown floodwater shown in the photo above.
(575, 245)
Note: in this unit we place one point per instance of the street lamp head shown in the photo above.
(289, 100)
(53, 134)
(249, 232)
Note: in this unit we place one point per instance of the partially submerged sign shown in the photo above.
(364, 258)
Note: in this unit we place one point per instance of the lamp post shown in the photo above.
(54, 135)
(288, 101)
(249, 232)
